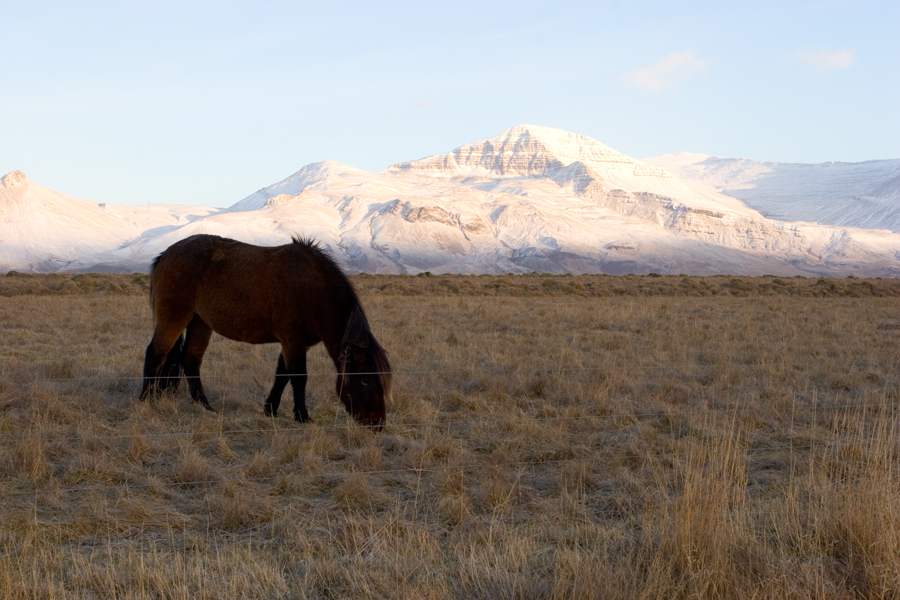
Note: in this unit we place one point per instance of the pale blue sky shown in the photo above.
(206, 102)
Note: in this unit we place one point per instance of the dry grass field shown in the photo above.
(549, 437)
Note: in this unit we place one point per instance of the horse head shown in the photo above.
(364, 374)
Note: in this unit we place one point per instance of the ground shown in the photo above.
(549, 437)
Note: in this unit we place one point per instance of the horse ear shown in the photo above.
(357, 332)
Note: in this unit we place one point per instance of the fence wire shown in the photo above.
(412, 427)
(412, 470)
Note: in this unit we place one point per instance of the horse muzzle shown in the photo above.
(374, 422)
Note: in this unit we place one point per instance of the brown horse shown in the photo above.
(293, 294)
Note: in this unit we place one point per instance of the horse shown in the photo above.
(293, 294)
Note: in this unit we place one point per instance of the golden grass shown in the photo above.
(534, 285)
(580, 437)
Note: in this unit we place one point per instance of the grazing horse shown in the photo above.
(294, 294)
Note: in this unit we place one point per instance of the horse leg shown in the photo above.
(270, 408)
(163, 342)
(195, 344)
(170, 373)
(295, 361)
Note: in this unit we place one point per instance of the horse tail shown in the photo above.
(173, 368)
(153, 268)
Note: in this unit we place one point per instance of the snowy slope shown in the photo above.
(42, 230)
(865, 194)
(529, 199)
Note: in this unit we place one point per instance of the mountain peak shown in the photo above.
(523, 150)
(13, 179)
(311, 174)
(564, 146)
(552, 139)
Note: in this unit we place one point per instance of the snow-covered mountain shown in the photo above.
(43, 231)
(865, 194)
(529, 199)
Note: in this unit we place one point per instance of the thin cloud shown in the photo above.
(667, 73)
(825, 59)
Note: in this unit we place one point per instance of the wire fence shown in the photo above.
(496, 371)
(470, 372)
(142, 536)
(473, 466)
(441, 422)
(467, 467)
(406, 426)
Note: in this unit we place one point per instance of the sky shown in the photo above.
(206, 102)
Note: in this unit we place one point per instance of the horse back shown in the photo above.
(249, 293)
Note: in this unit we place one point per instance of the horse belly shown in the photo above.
(242, 328)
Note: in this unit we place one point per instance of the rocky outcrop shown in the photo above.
(13, 179)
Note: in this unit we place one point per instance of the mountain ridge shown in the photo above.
(864, 194)
(529, 199)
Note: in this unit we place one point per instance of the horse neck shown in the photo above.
(335, 347)
(335, 338)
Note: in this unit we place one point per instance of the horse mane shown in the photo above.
(327, 263)
(382, 368)
(357, 333)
